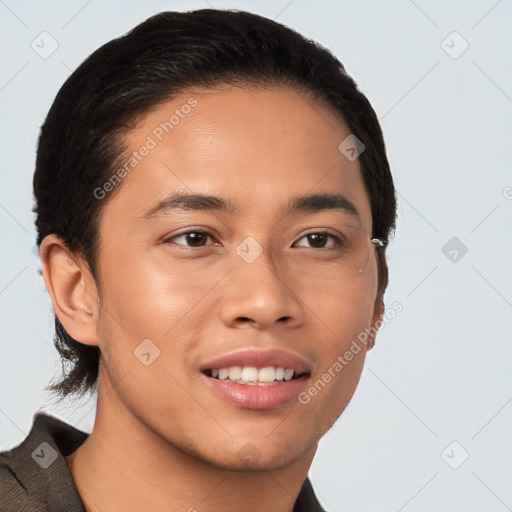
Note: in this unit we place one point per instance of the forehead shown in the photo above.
(254, 147)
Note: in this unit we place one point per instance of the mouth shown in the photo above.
(256, 379)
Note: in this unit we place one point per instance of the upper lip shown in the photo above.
(260, 359)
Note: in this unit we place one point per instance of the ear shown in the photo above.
(377, 320)
(72, 289)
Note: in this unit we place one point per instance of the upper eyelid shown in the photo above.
(336, 238)
(203, 231)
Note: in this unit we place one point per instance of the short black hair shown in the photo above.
(81, 141)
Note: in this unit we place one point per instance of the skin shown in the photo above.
(160, 427)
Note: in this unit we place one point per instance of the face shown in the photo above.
(192, 288)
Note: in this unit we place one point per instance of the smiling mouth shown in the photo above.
(252, 376)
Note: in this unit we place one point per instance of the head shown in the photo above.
(241, 109)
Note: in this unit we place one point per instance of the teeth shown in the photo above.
(288, 374)
(267, 374)
(252, 375)
(279, 373)
(235, 372)
(249, 374)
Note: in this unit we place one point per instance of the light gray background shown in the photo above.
(440, 371)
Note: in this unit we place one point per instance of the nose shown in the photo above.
(255, 294)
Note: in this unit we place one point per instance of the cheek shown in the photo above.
(144, 301)
(344, 312)
(345, 308)
(146, 336)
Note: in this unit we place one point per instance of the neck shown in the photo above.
(124, 465)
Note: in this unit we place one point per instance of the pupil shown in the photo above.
(315, 238)
(195, 238)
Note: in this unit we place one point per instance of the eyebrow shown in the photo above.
(313, 203)
(185, 201)
(321, 202)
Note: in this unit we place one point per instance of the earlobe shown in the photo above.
(72, 290)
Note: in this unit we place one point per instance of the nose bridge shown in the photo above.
(255, 291)
(256, 264)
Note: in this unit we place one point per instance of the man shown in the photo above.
(213, 204)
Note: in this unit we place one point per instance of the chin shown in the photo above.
(262, 464)
(248, 457)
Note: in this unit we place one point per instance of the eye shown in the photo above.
(318, 240)
(194, 238)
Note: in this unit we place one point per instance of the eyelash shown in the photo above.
(337, 240)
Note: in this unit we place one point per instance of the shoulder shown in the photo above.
(34, 475)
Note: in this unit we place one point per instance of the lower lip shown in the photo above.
(246, 396)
